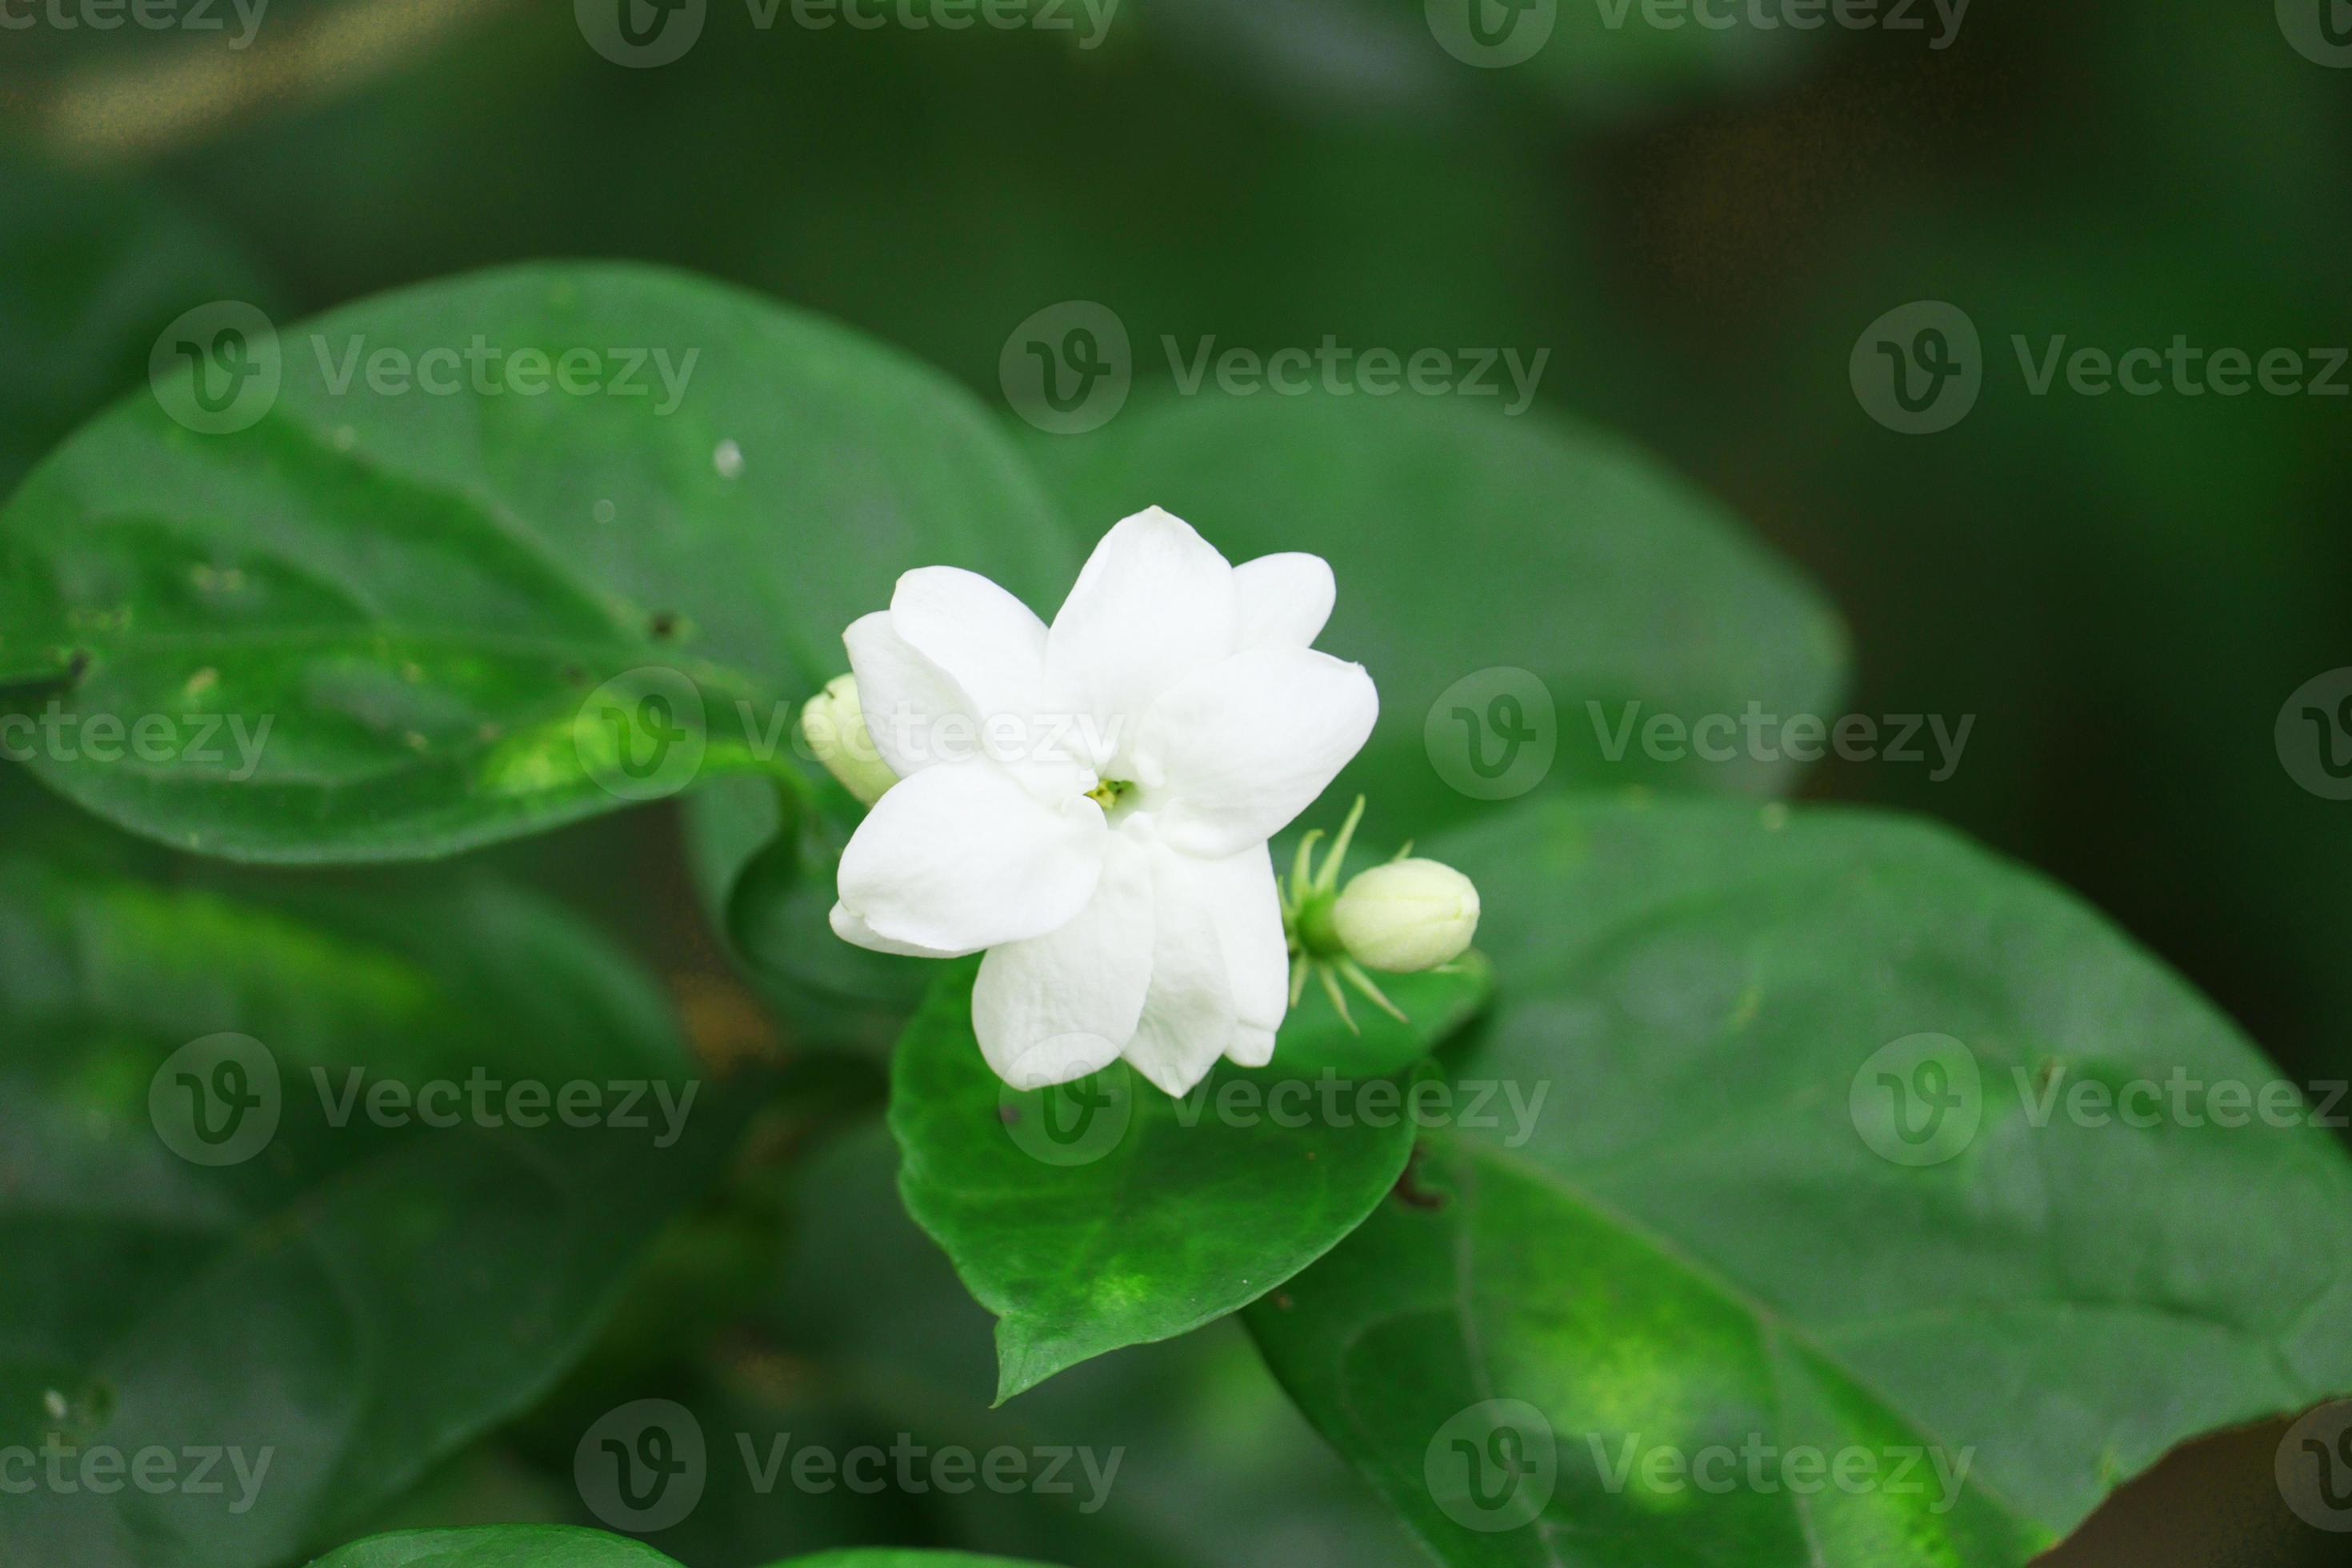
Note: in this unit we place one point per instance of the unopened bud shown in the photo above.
(834, 724)
(1407, 915)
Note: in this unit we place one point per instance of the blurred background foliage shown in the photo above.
(1698, 225)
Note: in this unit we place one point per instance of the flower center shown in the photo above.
(1111, 795)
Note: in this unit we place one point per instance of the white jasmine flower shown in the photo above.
(1089, 803)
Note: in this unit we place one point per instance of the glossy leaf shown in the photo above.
(1503, 578)
(473, 593)
(496, 1546)
(906, 1350)
(1700, 1247)
(288, 1244)
(1105, 1214)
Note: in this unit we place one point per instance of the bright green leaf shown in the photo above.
(497, 554)
(1105, 1214)
(1697, 1246)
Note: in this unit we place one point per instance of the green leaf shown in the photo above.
(1501, 577)
(892, 1557)
(1105, 1214)
(1697, 1243)
(90, 272)
(904, 1347)
(252, 1246)
(559, 1546)
(496, 1546)
(424, 577)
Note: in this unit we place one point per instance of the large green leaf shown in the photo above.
(1501, 578)
(496, 1546)
(1699, 1247)
(426, 592)
(559, 1546)
(1188, 1453)
(1105, 1214)
(235, 1247)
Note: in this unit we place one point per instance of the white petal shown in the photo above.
(1240, 749)
(962, 858)
(1188, 1014)
(1252, 1047)
(989, 642)
(915, 709)
(1284, 600)
(850, 928)
(1247, 912)
(1154, 602)
(1059, 1006)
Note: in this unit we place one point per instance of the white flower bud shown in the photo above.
(834, 724)
(1407, 915)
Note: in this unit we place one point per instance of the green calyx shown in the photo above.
(1308, 896)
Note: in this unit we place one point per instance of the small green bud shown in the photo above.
(1406, 916)
(833, 722)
